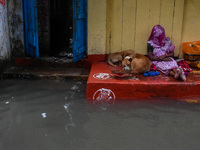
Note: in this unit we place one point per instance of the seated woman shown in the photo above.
(160, 51)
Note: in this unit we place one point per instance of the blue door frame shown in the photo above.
(31, 28)
(79, 29)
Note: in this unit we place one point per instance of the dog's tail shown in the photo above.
(109, 61)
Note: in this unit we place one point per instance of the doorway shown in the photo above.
(61, 28)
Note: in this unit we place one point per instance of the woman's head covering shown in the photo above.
(157, 36)
(158, 40)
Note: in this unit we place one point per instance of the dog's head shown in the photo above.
(126, 63)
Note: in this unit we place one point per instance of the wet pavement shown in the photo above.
(55, 115)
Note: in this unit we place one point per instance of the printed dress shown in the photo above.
(160, 45)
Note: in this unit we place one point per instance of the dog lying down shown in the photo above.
(137, 62)
(117, 57)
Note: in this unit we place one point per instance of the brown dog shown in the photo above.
(137, 62)
(118, 57)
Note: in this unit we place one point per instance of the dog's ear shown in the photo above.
(130, 59)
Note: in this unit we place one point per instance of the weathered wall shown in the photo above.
(4, 33)
(191, 21)
(131, 22)
(16, 28)
(96, 26)
(113, 25)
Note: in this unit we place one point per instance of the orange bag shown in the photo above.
(191, 53)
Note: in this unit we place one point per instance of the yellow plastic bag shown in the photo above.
(191, 53)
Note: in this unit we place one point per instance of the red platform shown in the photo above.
(102, 84)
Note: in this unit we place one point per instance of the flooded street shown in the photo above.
(55, 115)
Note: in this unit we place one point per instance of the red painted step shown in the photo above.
(102, 84)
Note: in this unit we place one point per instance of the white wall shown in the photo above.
(4, 33)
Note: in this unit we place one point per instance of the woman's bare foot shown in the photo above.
(182, 75)
(177, 73)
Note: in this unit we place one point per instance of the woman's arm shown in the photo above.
(167, 56)
(153, 58)
(161, 58)
(150, 53)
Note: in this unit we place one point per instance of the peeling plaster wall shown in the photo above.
(4, 33)
(16, 28)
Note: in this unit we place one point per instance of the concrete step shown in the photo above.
(102, 84)
(47, 68)
(46, 73)
(54, 62)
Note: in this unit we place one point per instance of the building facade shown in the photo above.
(112, 25)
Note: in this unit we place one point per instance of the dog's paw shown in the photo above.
(127, 68)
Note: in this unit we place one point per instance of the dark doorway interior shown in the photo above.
(61, 28)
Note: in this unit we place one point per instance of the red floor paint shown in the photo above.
(102, 84)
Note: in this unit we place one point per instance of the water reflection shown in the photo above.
(73, 122)
(69, 96)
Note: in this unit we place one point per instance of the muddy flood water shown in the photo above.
(55, 115)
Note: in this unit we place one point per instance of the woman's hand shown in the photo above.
(169, 55)
(167, 59)
(160, 58)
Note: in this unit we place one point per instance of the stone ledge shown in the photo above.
(102, 84)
